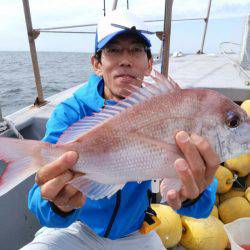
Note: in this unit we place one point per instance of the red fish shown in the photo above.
(134, 139)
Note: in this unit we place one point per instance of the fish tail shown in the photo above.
(19, 159)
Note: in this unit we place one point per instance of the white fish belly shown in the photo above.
(135, 162)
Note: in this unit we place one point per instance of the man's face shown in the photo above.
(122, 63)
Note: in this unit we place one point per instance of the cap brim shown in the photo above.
(110, 37)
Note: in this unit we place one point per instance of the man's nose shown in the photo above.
(125, 59)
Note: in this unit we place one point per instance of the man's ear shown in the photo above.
(150, 67)
(96, 66)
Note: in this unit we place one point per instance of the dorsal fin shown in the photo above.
(135, 96)
(165, 82)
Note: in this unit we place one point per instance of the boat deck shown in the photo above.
(217, 72)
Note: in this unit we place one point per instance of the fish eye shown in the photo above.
(233, 119)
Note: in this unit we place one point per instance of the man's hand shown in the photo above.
(53, 178)
(196, 171)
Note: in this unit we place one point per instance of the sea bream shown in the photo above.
(134, 139)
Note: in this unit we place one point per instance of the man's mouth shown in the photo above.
(126, 77)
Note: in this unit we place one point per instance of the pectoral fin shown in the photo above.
(94, 190)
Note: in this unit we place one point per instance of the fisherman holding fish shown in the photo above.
(112, 219)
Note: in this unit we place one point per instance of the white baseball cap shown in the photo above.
(118, 22)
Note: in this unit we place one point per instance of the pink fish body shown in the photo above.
(134, 140)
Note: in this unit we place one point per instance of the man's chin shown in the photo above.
(125, 83)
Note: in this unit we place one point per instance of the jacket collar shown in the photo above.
(91, 93)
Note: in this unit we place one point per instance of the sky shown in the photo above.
(226, 23)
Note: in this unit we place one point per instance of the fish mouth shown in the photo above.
(242, 133)
(234, 142)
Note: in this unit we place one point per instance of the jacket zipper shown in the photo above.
(114, 214)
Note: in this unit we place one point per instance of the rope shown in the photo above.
(3, 126)
(7, 124)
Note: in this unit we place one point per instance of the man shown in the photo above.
(122, 57)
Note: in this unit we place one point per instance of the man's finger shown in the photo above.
(65, 195)
(173, 199)
(190, 189)
(51, 188)
(208, 154)
(192, 156)
(78, 200)
(57, 167)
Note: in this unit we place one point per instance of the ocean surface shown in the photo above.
(59, 71)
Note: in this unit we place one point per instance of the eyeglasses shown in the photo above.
(134, 50)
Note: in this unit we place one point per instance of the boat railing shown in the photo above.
(34, 33)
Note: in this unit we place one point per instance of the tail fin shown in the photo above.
(19, 159)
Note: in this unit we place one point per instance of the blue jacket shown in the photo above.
(124, 212)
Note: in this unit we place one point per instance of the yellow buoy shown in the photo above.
(240, 164)
(205, 234)
(246, 106)
(247, 183)
(170, 229)
(225, 179)
(247, 194)
(233, 192)
(214, 212)
(234, 208)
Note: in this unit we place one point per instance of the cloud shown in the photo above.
(193, 8)
(65, 12)
(10, 16)
(51, 13)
